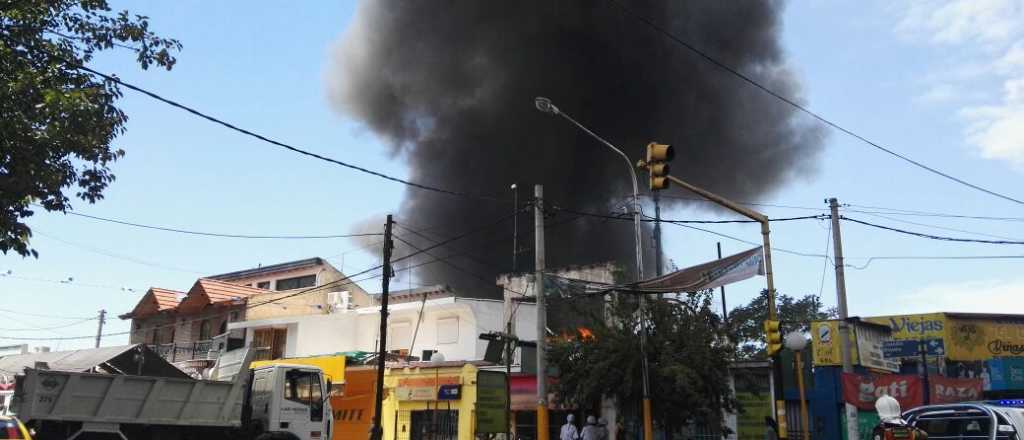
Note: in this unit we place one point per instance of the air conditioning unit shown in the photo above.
(339, 301)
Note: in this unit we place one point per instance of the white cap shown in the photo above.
(888, 408)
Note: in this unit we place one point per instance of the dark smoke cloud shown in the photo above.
(450, 85)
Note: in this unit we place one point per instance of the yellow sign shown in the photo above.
(825, 342)
(976, 340)
(914, 327)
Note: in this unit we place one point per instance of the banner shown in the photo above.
(974, 340)
(710, 275)
(491, 396)
(863, 391)
(946, 390)
(825, 343)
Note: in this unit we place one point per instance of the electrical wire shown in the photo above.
(930, 236)
(944, 228)
(40, 315)
(216, 234)
(68, 283)
(649, 219)
(215, 120)
(865, 209)
(938, 257)
(79, 322)
(801, 108)
(763, 205)
(824, 269)
(36, 231)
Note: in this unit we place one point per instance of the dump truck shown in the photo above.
(271, 402)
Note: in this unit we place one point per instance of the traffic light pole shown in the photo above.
(779, 403)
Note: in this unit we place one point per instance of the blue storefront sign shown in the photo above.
(449, 392)
(912, 348)
(1007, 373)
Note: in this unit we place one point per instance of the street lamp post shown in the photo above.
(797, 342)
(545, 105)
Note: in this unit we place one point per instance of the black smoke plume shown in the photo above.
(451, 86)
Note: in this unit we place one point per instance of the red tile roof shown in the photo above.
(206, 292)
(155, 300)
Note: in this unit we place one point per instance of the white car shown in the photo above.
(991, 420)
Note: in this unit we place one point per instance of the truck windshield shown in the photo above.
(304, 387)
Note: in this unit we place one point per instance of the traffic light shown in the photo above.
(773, 337)
(658, 156)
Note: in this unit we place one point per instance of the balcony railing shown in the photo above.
(188, 351)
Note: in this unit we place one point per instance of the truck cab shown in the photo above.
(292, 399)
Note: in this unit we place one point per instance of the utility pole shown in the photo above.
(515, 228)
(99, 328)
(844, 328)
(725, 311)
(376, 430)
(509, 348)
(542, 317)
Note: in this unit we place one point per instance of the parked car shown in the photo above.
(12, 428)
(993, 420)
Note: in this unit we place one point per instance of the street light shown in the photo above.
(796, 341)
(546, 106)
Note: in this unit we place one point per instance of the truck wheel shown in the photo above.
(277, 436)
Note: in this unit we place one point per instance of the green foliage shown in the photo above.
(57, 123)
(688, 361)
(746, 322)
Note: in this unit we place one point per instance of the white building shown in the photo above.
(421, 322)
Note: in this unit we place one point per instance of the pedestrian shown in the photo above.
(602, 426)
(569, 431)
(591, 431)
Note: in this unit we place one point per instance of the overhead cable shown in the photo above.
(930, 236)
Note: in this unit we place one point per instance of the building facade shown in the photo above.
(421, 322)
(190, 328)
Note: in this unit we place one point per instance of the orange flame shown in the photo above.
(585, 333)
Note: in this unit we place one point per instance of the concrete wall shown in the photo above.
(358, 330)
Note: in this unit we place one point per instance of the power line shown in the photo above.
(801, 108)
(937, 226)
(39, 315)
(113, 255)
(765, 205)
(913, 213)
(649, 219)
(250, 133)
(929, 236)
(937, 257)
(778, 249)
(69, 282)
(216, 234)
(81, 321)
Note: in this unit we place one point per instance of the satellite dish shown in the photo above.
(437, 357)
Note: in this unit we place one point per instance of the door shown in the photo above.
(302, 408)
(435, 425)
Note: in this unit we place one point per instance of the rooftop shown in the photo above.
(273, 268)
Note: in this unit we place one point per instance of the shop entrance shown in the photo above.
(435, 425)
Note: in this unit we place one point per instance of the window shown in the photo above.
(448, 330)
(269, 343)
(296, 283)
(400, 336)
(264, 285)
(233, 317)
(304, 387)
(204, 330)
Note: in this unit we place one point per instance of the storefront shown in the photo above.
(443, 401)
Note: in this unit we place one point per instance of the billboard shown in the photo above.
(914, 327)
(977, 340)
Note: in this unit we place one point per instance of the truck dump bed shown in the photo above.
(104, 398)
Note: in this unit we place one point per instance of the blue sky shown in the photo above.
(942, 82)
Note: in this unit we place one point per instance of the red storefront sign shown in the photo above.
(946, 390)
(863, 391)
(908, 390)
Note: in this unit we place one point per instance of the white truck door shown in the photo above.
(302, 408)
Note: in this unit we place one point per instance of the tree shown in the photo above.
(688, 361)
(746, 322)
(58, 123)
